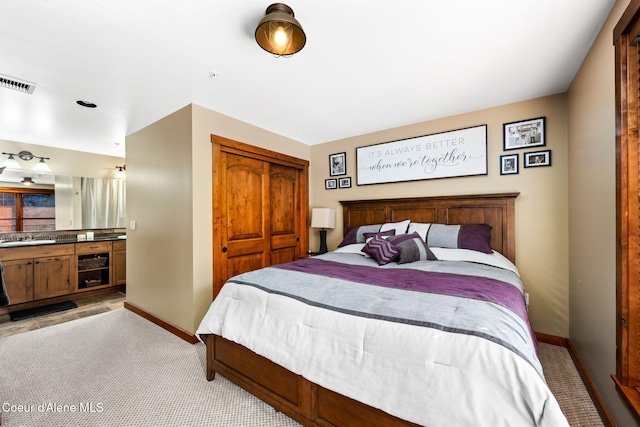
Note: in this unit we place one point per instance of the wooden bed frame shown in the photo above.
(310, 404)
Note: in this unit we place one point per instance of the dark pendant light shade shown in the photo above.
(279, 32)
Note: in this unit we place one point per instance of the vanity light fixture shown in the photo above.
(121, 173)
(12, 163)
(279, 32)
(27, 181)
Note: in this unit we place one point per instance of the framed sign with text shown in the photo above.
(461, 152)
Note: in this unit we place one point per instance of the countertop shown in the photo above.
(40, 242)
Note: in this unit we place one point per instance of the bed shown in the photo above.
(427, 326)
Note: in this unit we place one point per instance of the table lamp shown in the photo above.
(323, 218)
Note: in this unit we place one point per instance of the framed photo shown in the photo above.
(524, 134)
(537, 158)
(509, 164)
(330, 184)
(337, 164)
(344, 182)
(460, 152)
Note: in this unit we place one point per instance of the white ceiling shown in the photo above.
(367, 65)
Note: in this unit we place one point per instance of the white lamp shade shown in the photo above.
(323, 218)
(41, 166)
(11, 163)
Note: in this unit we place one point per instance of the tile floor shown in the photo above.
(86, 307)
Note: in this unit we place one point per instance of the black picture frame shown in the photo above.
(344, 182)
(524, 134)
(509, 164)
(338, 164)
(535, 159)
(330, 184)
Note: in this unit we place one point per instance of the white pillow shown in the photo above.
(399, 227)
(420, 228)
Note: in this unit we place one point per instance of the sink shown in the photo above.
(26, 242)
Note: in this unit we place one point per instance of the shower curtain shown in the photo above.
(103, 203)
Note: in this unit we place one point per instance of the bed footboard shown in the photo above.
(291, 394)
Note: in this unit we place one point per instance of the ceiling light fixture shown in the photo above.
(27, 181)
(12, 163)
(279, 32)
(121, 174)
(86, 104)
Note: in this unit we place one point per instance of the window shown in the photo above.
(27, 209)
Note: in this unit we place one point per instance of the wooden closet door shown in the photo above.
(284, 197)
(245, 208)
(260, 208)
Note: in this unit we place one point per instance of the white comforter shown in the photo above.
(423, 375)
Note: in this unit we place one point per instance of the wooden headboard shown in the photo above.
(497, 210)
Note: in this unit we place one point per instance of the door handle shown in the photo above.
(224, 250)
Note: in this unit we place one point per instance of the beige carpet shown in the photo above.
(567, 386)
(109, 369)
(121, 364)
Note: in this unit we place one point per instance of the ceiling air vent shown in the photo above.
(15, 84)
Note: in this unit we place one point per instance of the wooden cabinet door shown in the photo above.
(243, 231)
(284, 183)
(119, 267)
(52, 276)
(18, 279)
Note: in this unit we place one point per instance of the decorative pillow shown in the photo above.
(476, 237)
(381, 250)
(356, 234)
(412, 248)
(420, 228)
(387, 233)
(399, 227)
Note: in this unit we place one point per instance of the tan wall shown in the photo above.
(592, 213)
(169, 172)
(541, 209)
(160, 250)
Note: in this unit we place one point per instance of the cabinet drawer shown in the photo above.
(35, 251)
(93, 247)
(119, 245)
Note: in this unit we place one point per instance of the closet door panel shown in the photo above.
(284, 213)
(245, 227)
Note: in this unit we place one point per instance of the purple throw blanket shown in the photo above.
(479, 288)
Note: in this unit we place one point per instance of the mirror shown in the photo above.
(80, 202)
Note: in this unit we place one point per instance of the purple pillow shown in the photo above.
(381, 250)
(387, 233)
(476, 237)
(412, 248)
(356, 234)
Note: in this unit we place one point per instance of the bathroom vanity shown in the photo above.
(41, 272)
